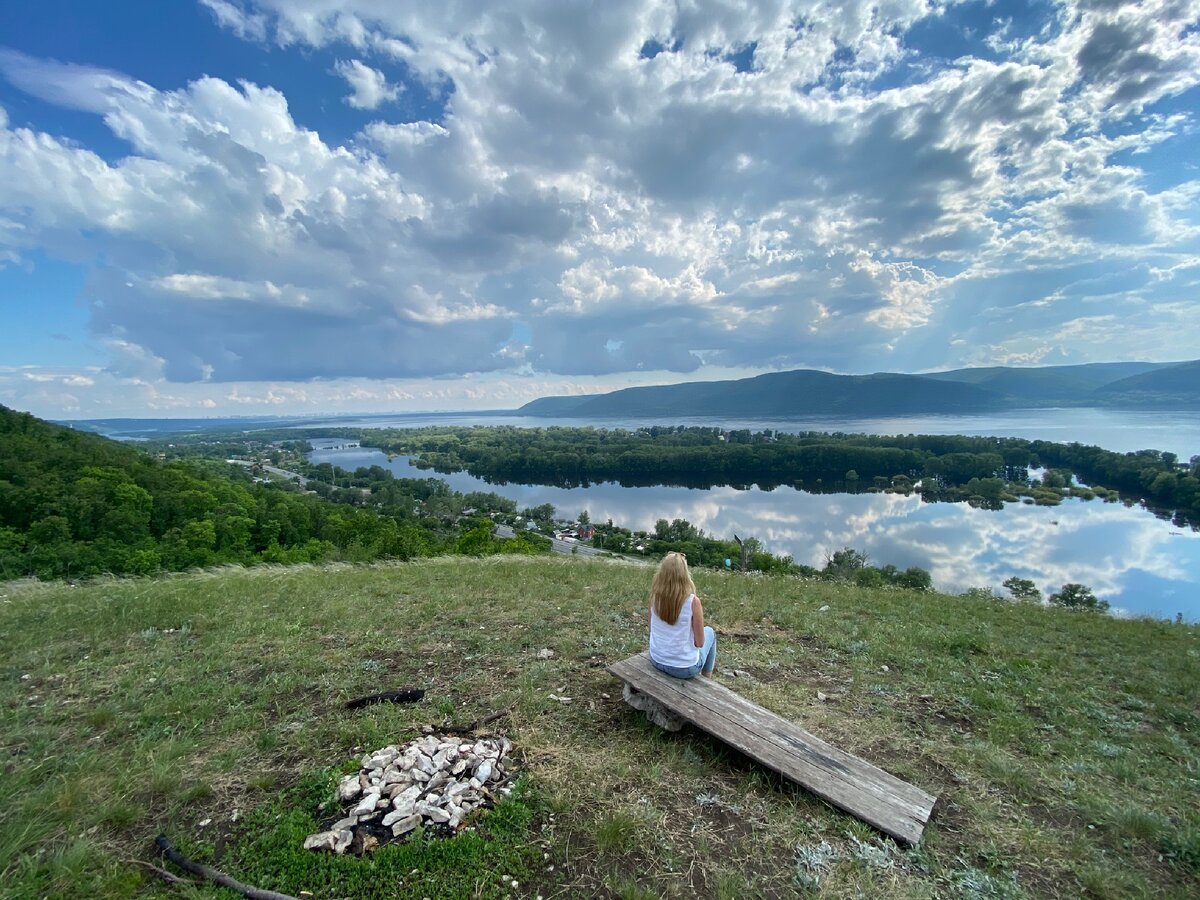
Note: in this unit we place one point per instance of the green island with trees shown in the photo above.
(985, 471)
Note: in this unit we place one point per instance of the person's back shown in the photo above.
(680, 644)
(673, 644)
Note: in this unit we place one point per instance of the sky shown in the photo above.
(248, 207)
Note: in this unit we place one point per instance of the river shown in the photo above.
(1139, 563)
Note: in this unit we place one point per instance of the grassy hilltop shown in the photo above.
(1064, 746)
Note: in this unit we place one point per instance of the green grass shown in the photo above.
(1063, 746)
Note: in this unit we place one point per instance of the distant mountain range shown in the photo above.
(810, 392)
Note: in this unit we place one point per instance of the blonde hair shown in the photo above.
(671, 586)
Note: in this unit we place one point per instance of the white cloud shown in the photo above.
(370, 87)
(585, 209)
(245, 25)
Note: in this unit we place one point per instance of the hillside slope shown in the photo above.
(1171, 386)
(74, 504)
(805, 392)
(1061, 745)
(1048, 384)
(802, 392)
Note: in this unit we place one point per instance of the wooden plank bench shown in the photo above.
(849, 783)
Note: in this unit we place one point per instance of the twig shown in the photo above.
(474, 726)
(214, 875)
(405, 695)
(160, 873)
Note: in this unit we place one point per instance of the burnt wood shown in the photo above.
(854, 785)
(406, 695)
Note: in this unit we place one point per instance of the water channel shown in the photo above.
(1141, 564)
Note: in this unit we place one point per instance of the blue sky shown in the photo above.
(291, 206)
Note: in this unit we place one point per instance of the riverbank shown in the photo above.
(1062, 745)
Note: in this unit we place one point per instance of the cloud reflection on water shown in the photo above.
(1137, 562)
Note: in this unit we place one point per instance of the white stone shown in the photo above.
(349, 788)
(824, 608)
(459, 767)
(395, 816)
(408, 796)
(322, 841)
(484, 772)
(405, 809)
(433, 814)
(343, 824)
(405, 825)
(655, 712)
(366, 805)
(545, 653)
(393, 775)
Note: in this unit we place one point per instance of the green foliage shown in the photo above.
(1023, 589)
(74, 504)
(848, 564)
(984, 470)
(1078, 596)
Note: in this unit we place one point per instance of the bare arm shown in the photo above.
(697, 622)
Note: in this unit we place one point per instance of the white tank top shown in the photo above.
(673, 645)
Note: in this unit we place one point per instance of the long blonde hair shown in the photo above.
(671, 586)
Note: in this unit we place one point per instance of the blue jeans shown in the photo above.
(708, 659)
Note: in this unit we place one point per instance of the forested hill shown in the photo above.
(1158, 386)
(803, 391)
(809, 392)
(74, 504)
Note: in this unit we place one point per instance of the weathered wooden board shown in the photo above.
(893, 806)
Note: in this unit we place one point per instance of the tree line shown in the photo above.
(74, 504)
(986, 470)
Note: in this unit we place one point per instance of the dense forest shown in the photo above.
(983, 470)
(74, 504)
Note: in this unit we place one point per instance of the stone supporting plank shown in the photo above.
(655, 711)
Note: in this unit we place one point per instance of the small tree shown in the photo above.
(1023, 589)
(1078, 596)
(844, 563)
(915, 579)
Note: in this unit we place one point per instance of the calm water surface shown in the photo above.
(1141, 564)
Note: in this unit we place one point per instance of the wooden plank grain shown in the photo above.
(835, 783)
(823, 774)
(723, 704)
(888, 803)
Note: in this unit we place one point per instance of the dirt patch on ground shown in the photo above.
(927, 711)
